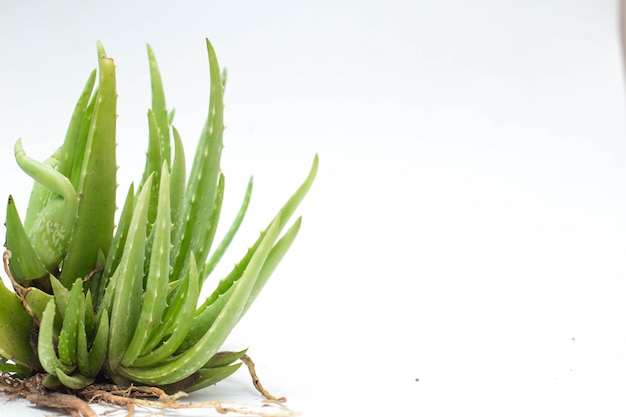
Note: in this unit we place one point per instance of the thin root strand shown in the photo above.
(78, 403)
(257, 382)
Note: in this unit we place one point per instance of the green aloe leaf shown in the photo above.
(81, 141)
(214, 218)
(177, 179)
(168, 321)
(216, 256)
(51, 382)
(159, 147)
(16, 329)
(61, 295)
(195, 357)
(128, 282)
(51, 229)
(93, 231)
(98, 352)
(181, 322)
(25, 263)
(59, 161)
(211, 376)
(75, 381)
(89, 319)
(45, 343)
(204, 319)
(275, 256)
(155, 295)
(117, 246)
(67, 152)
(37, 300)
(202, 190)
(283, 216)
(90, 362)
(208, 312)
(154, 162)
(69, 331)
(159, 109)
(39, 196)
(224, 358)
(82, 344)
(12, 368)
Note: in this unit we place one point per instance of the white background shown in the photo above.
(468, 224)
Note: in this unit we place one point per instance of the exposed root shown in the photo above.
(257, 382)
(78, 403)
(19, 289)
(92, 273)
(66, 402)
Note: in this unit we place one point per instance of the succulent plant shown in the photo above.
(93, 301)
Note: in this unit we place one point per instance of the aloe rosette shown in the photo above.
(94, 301)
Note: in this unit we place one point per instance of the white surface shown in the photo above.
(468, 225)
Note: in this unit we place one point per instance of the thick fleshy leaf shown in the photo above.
(224, 358)
(12, 368)
(208, 312)
(211, 376)
(175, 304)
(61, 295)
(214, 218)
(154, 161)
(159, 109)
(51, 382)
(177, 179)
(45, 342)
(283, 216)
(204, 319)
(68, 150)
(89, 316)
(25, 263)
(52, 226)
(75, 381)
(128, 285)
(90, 362)
(97, 354)
(155, 294)
(228, 237)
(39, 196)
(181, 323)
(61, 161)
(93, 231)
(159, 147)
(201, 192)
(16, 329)
(69, 331)
(82, 350)
(273, 259)
(117, 246)
(81, 142)
(195, 357)
(36, 300)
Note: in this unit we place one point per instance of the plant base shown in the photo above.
(78, 402)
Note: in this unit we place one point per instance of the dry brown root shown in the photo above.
(257, 382)
(66, 402)
(77, 403)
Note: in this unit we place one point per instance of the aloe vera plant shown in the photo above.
(93, 301)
